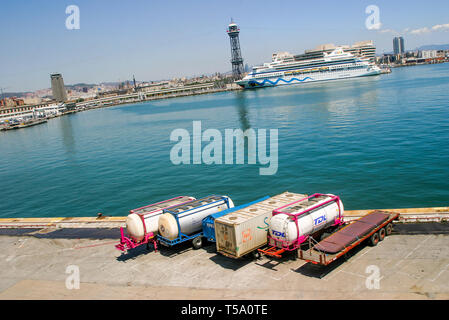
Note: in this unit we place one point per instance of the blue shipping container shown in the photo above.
(208, 222)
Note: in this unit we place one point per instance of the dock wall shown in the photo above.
(407, 215)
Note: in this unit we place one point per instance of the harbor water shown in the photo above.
(377, 142)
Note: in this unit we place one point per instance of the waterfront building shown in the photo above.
(11, 102)
(429, 54)
(29, 112)
(398, 45)
(362, 49)
(236, 55)
(57, 87)
(117, 97)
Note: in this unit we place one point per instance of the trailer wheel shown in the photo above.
(374, 239)
(382, 233)
(197, 243)
(256, 255)
(388, 229)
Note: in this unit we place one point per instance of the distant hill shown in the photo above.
(434, 47)
(80, 85)
(14, 94)
(426, 47)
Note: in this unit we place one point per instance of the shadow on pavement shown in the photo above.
(319, 271)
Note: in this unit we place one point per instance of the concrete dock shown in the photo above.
(38, 258)
(22, 125)
(408, 215)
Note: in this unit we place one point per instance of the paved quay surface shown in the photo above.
(412, 263)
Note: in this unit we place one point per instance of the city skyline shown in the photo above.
(154, 41)
(398, 45)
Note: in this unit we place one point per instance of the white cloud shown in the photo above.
(437, 27)
(387, 31)
(440, 27)
(420, 31)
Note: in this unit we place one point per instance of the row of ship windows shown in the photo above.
(327, 71)
(315, 71)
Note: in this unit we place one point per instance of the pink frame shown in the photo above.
(131, 243)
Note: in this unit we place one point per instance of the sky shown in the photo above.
(155, 39)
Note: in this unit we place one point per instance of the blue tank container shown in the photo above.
(208, 222)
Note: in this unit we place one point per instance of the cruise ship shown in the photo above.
(288, 69)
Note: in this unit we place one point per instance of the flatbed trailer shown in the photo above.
(373, 227)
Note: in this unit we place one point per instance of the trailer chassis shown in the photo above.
(377, 234)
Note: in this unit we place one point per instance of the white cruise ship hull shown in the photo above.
(257, 82)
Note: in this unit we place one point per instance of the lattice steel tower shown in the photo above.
(236, 54)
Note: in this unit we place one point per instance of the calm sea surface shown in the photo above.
(378, 142)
